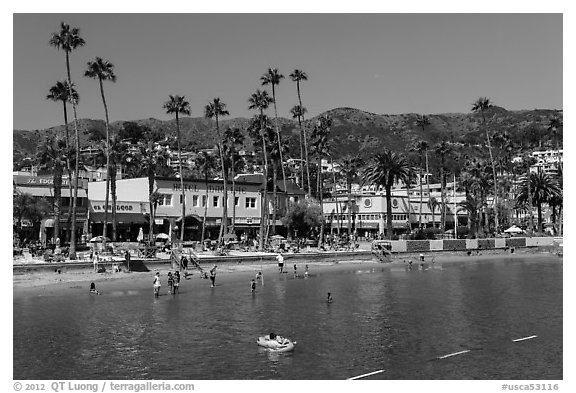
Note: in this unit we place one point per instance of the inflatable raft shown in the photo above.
(274, 345)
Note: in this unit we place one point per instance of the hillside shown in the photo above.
(353, 130)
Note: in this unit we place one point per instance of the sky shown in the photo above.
(380, 63)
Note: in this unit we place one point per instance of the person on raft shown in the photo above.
(279, 339)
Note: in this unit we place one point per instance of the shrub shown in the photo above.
(486, 243)
(417, 245)
(453, 244)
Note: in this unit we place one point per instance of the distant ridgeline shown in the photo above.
(353, 131)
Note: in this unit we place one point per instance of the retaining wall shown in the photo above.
(469, 244)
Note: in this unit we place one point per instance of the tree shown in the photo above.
(273, 77)
(442, 149)
(61, 92)
(118, 157)
(178, 105)
(215, 110)
(275, 159)
(233, 141)
(149, 159)
(301, 217)
(205, 164)
(350, 167)
(68, 39)
(299, 76)
(384, 170)
(25, 206)
(554, 124)
(52, 154)
(260, 100)
(481, 105)
(421, 147)
(103, 70)
(432, 205)
(542, 187)
(298, 112)
(319, 139)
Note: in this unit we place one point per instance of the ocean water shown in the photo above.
(383, 317)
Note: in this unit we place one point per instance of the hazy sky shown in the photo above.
(381, 63)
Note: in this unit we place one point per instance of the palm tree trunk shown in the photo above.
(72, 252)
(274, 196)
(106, 198)
(233, 196)
(183, 196)
(428, 184)
(114, 197)
(205, 212)
(443, 198)
(496, 222)
(335, 199)
(421, 201)
(151, 204)
(389, 227)
(69, 170)
(224, 223)
(57, 197)
(279, 147)
(305, 140)
(539, 207)
(301, 137)
(349, 189)
(264, 208)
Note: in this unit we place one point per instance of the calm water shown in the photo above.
(382, 317)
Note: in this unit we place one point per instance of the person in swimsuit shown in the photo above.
(93, 289)
(253, 286)
(329, 298)
(170, 283)
(213, 276)
(176, 282)
(157, 284)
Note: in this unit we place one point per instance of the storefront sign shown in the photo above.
(212, 189)
(37, 181)
(121, 207)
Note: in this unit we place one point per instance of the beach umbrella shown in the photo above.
(98, 239)
(140, 235)
(514, 229)
(162, 236)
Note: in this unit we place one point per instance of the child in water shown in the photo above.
(93, 289)
(157, 284)
(170, 283)
(329, 298)
(253, 286)
(176, 281)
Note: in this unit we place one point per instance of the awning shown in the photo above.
(49, 223)
(49, 192)
(124, 218)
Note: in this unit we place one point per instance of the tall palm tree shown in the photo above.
(555, 124)
(298, 112)
(260, 100)
(233, 141)
(68, 39)
(542, 188)
(384, 170)
(421, 147)
(481, 105)
(178, 105)
(320, 146)
(442, 149)
(299, 76)
(215, 110)
(119, 154)
(350, 169)
(52, 154)
(103, 70)
(273, 77)
(61, 92)
(206, 165)
(432, 205)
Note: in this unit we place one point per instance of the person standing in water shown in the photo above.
(170, 283)
(329, 298)
(176, 281)
(253, 286)
(280, 259)
(213, 276)
(306, 271)
(157, 284)
(93, 289)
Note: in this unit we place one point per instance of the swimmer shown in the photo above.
(329, 298)
(93, 289)
(258, 275)
(306, 271)
(253, 286)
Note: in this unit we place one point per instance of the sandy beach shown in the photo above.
(39, 282)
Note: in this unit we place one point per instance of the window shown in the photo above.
(215, 201)
(237, 201)
(195, 201)
(203, 200)
(180, 198)
(165, 200)
(250, 203)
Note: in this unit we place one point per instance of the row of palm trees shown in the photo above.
(383, 169)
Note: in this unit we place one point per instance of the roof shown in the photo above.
(49, 191)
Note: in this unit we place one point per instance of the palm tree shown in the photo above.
(61, 92)
(233, 141)
(298, 112)
(260, 100)
(422, 121)
(52, 154)
(421, 147)
(149, 159)
(273, 77)
(350, 169)
(442, 149)
(68, 39)
(103, 70)
(299, 76)
(481, 105)
(178, 105)
(555, 124)
(275, 155)
(119, 153)
(206, 165)
(214, 110)
(542, 188)
(320, 146)
(432, 205)
(384, 170)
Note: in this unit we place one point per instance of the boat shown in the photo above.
(274, 345)
(382, 249)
